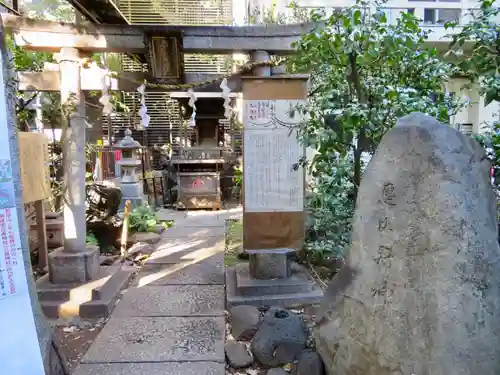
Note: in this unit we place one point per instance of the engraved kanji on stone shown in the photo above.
(382, 223)
(389, 193)
(384, 253)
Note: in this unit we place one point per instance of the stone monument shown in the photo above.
(426, 298)
(130, 183)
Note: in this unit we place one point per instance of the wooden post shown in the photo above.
(124, 239)
(41, 234)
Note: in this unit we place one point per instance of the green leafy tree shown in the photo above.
(477, 49)
(59, 10)
(271, 15)
(22, 60)
(365, 74)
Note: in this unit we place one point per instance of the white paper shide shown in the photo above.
(273, 182)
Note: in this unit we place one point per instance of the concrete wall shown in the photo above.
(476, 113)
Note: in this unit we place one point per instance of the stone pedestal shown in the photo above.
(74, 267)
(295, 290)
(77, 285)
(270, 266)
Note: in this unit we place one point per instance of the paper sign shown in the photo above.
(19, 350)
(273, 180)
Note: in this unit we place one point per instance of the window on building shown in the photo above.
(430, 15)
(449, 15)
(465, 129)
(440, 16)
(411, 10)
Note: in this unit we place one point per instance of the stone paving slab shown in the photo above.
(209, 271)
(165, 368)
(169, 214)
(166, 214)
(173, 251)
(194, 231)
(172, 300)
(159, 340)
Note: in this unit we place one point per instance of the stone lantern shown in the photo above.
(130, 183)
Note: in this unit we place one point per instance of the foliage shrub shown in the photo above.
(365, 73)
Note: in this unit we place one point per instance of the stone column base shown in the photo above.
(70, 267)
(270, 266)
(293, 291)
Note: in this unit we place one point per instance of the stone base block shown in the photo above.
(270, 266)
(132, 190)
(298, 282)
(68, 268)
(296, 290)
(95, 299)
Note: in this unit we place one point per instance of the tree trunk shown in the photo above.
(356, 81)
(54, 363)
(357, 172)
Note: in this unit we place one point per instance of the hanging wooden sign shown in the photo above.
(273, 210)
(166, 58)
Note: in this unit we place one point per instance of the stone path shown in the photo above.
(171, 320)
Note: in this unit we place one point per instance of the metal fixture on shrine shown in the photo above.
(130, 183)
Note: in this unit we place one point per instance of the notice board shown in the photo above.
(273, 181)
(34, 158)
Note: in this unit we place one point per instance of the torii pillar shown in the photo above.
(75, 262)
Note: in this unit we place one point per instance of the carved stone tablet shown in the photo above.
(426, 300)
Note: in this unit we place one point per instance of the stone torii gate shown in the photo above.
(76, 262)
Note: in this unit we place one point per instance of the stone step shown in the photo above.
(108, 278)
(298, 282)
(292, 299)
(92, 300)
(162, 368)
